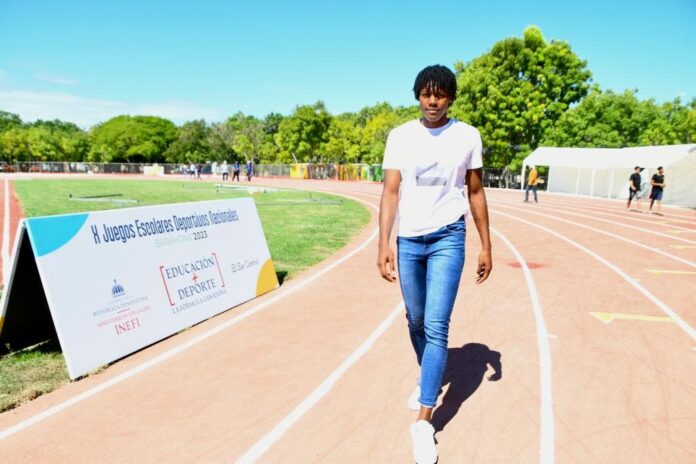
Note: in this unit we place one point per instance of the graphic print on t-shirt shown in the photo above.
(428, 176)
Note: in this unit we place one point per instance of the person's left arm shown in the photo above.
(479, 211)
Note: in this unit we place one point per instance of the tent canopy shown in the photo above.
(599, 158)
(605, 171)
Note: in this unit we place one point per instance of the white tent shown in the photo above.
(605, 171)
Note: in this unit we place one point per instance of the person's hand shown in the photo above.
(485, 265)
(385, 263)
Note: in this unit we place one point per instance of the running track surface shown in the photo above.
(320, 370)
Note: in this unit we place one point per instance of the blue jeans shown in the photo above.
(430, 267)
(533, 188)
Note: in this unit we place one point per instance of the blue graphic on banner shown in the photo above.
(50, 233)
(117, 290)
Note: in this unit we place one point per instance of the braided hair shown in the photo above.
(436, 77)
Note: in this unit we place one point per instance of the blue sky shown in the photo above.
(86, 61)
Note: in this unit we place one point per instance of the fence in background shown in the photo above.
(501, 178)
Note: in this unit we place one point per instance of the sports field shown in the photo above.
(590, 309)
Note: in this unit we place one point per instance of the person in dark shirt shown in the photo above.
(658, 184)
(235, 171)
(634, 188)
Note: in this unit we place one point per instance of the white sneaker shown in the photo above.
(414, 399)
(423, 437)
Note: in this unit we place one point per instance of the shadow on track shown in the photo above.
(466, 368)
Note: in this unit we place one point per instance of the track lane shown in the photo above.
(622, 392)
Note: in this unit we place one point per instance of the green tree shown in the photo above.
(9, 121)
(343, 141)
(221, 141)
(303, 132)
(14, 145)
(375, 135)
(682, 119)
(191, 144)
(607, 119)
(517, 91)
(249, 135)
(133, 139)
(57, 140)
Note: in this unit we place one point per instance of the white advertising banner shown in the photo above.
(119, 280)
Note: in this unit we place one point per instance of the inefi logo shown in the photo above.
(117, 290)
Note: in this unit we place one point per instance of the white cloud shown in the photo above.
(85, 112)
(56, 79)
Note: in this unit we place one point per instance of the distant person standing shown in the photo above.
(634, 188)
(249, 170)
(532, 182)
(225, 171)
(198, 171)
(658, 184)
(235, 171)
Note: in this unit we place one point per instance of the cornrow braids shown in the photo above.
(436, 77)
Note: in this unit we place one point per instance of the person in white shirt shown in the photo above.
(427, 164)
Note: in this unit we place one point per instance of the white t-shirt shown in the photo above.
(433, 165)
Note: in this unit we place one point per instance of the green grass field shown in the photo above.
(301, 228)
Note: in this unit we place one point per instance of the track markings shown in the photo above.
(665, 271)
(607, 318)
(683, 247)
(547, 443)
(659, 303)
(265, 443)
(608, 234)
(646, 230)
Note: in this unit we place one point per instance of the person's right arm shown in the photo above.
(387, 213)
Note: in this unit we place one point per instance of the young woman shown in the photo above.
(427, 164)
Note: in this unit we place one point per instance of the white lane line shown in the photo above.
(5, 256)
(184, 346)
(547, 424)
(596, 203)
(599, 231)
(594, 218)
(660, 304)
(265, 443)
(618, 215)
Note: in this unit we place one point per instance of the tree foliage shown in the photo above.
(607, 119)
(191, 143)
(517, 91)
(301, 134)
(132, 139)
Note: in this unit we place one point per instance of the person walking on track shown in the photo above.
(532, 183)
(658, 185)
(427, 164)
(634, 182)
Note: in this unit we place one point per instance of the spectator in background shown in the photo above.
(192, 171)
(634, 188)
(249, 170)
(658, 184)
(225, 171)
(532, 182)
(235, 171)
